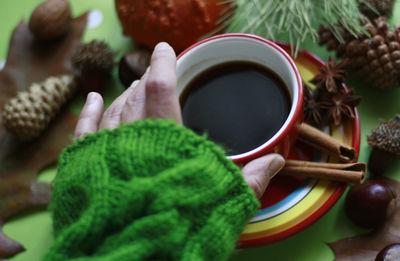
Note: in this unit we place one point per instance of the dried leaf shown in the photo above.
(29, 61)
(366, 247)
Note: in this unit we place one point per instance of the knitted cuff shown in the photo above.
(153, 190)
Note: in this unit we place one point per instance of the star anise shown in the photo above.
(312, 109)
(341, 107)
(312, 112)
(331, 76)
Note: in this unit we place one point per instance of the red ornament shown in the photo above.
(177, 22)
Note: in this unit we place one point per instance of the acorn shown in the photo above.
(385, 143)
(93, 62)
(370, 204)
(133, 65)
(51, 20)
(389, 253)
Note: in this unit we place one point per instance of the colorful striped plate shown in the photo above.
(291, 204)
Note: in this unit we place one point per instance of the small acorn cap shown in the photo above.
(93, 56)
(386, 136)
(385, 143)
(93, 61)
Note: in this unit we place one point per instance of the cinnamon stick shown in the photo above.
(325, 143)
(354, 173)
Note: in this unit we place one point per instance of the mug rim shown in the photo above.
(298, 109)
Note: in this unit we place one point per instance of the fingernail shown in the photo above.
(276, 165)
(91, 98)
(162, 46)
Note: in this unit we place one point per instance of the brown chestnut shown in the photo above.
(389, 253)
(379, 161)
(370, 204)
(133, 65)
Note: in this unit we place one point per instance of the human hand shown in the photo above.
(155, 96)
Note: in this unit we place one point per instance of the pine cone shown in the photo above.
(29, 113)
(384, 8)
(327, 37)
(375, 58)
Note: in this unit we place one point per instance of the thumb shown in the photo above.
(257, 173)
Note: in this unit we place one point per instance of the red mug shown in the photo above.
(250, 48)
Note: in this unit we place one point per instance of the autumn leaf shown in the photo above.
(30, 61)
(366, 247)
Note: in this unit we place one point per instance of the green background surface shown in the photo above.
(33, 228)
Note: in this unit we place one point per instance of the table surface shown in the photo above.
(33, 229)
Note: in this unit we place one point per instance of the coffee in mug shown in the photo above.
(244, 92)
(238, 104)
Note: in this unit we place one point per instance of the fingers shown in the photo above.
(154, 96)
(257, 173)
(134, 108)
(161, 94)
(90, 115)
(112, 116)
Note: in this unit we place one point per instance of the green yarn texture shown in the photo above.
(150, 190)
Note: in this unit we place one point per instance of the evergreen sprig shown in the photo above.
(295, 20)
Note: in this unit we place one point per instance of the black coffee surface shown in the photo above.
(240, 105)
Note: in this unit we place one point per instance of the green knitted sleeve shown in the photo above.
(150, 190)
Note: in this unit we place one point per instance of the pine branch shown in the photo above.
(297, 19)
